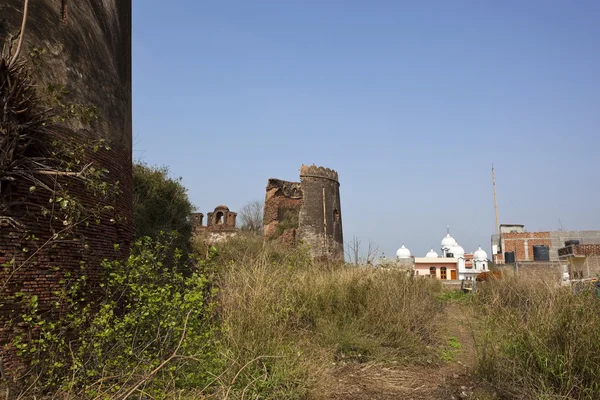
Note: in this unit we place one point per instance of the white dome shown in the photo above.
(480, 255)
(448, 242)
(403, 252)
(457, 251)
(431, 254)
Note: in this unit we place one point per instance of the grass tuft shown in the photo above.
(287, 320)
(538, 339)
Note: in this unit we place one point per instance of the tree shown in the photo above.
(355, 254)
(160, 203)
(251, 216)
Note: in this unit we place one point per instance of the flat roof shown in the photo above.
(439, 260)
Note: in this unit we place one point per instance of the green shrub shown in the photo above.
(152, 331)
(160, 204)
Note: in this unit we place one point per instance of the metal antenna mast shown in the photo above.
(495, 201)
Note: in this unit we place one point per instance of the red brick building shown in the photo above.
(519, 245)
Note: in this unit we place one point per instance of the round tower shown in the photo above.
(320, 219)
(82, 49)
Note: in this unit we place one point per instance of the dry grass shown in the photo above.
(287, 321)
(538, 340)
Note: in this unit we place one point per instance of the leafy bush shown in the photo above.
(152, 332)
(539, 340)
(160, 204)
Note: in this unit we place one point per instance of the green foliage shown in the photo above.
(451, 350)
(539, 340)
(153, 327)
(455, 296)
(289, 221)
(160, 204)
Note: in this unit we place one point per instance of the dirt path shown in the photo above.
(451, 380)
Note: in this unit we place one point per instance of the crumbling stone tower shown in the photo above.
(307, 211)
(87, 49)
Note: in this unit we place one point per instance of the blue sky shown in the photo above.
(410, 102)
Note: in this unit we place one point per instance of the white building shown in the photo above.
(453, 263)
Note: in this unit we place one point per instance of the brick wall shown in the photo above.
(41, 269)
(522, 243)
(586, 249)
(281, 197)
(90, 53)
(316, 203)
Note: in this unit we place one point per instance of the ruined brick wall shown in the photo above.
(220, 225)
(221, 218)
(314, 203)
(197, 221)
(88, 49)
(321, 214)
(283, 199)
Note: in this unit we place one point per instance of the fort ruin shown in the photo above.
(220, 224)
(307, 212)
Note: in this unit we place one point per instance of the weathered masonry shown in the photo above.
(220, 224)
(86, 46)
(308, 211)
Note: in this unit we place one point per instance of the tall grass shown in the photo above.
(539, 340)
(286, 320)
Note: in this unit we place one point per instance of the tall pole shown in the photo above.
(495, 201)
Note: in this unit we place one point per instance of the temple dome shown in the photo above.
(448, 242)
(480, 255)
(432, 254)
(403, 252)
(457, 251)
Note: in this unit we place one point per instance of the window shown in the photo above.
(219, 218)
(432, 272)
(443, 273)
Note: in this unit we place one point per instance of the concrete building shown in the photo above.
(453, 264)
(580, 261)
(516, 244)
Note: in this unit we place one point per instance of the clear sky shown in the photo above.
(410, 101)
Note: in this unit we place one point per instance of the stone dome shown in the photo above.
(457, 251)
(480, 255)
(448, 242)
(432, 254)
(403, 252)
